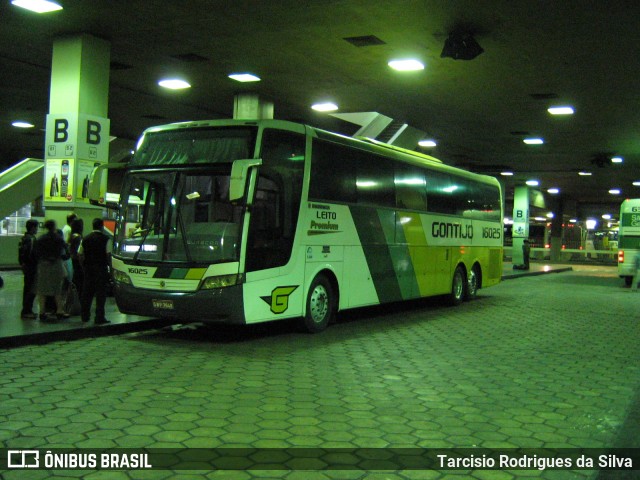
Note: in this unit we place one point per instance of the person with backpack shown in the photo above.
(49, 250)
(29, 265)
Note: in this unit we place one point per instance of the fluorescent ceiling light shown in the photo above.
(584, 174)
(38, 6)
(539, 219)
(408, 65)
(607, 216)
(573, 220)
(636, 184)
(550, 215)
(614, 191)
(174, 84)
(324, 107)
(532, 183)
(506, 174)
(533, 141)
(553, 190)
(561, 110)
(427, 143)
(244, 77)
(21, 124)
(616, 160)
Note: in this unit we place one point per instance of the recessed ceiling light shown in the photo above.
(616, 160)
(607, 216)
(614, 191)
(174, 84)
(553, 191)
(21, 124)
(427, 143)
(407, 65)
(38, 6)
(566, 110)
(533, 141)
(324, 107)
(244, 77)
(506, 174)
(550, 215)
(584, 174)
(532, 183)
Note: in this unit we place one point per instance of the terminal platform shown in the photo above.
(17, 332)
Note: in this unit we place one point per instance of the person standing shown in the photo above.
(94, 254)
(75, 239)
(49, 250)
(29, 265)
(66, 230)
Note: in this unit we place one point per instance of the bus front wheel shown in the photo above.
(320, 305)
(458, 284)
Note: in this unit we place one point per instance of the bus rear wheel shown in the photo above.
(320, 305)
(458, 287)
(473, 283)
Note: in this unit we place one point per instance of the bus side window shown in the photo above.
(274, 213)
(411, 188)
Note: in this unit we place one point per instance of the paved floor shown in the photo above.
(17, 332)
(545, 361)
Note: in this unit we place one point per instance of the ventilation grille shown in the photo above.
(364, 41)
(543, 96)
(190, 57)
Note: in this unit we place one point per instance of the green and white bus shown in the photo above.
(255, 221)
(628, 239)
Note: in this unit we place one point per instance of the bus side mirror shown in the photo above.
(97, 185)
(240, 171)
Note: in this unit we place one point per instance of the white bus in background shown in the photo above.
(628, 239)
(255, 221)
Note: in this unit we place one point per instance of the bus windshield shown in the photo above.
(185, 216)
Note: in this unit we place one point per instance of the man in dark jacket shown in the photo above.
(94, 257)
(29, 265)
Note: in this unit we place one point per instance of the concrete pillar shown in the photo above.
(555, 239)
(249, 106)
(77, 132)
(520, 230)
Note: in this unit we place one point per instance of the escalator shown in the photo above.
(20, 184)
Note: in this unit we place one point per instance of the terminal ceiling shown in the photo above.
(536, 55)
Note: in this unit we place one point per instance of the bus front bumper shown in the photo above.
(221, 305)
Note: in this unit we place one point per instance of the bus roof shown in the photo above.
(365, 143)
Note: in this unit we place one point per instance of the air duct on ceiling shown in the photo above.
(461, 46)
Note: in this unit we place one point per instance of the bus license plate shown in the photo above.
(163, 304)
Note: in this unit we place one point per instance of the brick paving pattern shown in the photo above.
(549, 361)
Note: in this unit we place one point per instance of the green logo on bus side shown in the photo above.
(279, 299)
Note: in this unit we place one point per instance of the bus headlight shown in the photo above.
(121, 277)
(221, 281)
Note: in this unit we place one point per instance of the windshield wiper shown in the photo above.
(146, 234)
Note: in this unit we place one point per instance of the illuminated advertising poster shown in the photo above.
(84, 173)
(58, 181)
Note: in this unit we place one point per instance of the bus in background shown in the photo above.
(628, 239)
(254, 221)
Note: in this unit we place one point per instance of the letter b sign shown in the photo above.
(93, 132)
